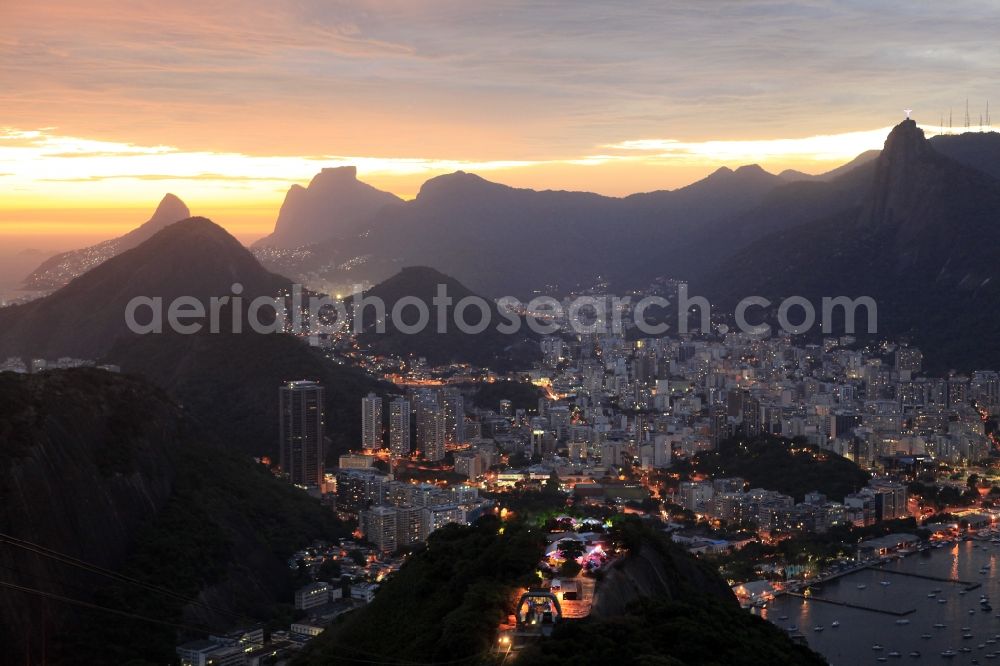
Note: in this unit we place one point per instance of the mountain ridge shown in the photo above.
(333, 204)
(489, 348)
(920, 243)
(501, 240)
(60, 269)
(194, 258)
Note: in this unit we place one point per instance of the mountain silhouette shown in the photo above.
(921, 242)
(488, 348)
(791, 175)
(58, 270)
(228, 379)
(333, 205)
(502, 240)
(84, 319)
(980, 150)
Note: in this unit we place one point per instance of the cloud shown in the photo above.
(829, 147)
(218, 177)
(236, 99)
(525, 81)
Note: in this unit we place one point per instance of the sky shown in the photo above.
(107, 105)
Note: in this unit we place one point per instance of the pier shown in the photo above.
(969, 584)
(846, 604)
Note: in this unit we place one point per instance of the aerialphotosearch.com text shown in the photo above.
(306, 313)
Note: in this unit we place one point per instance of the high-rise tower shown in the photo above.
(301, 428)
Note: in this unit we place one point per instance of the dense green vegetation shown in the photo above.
(942, 497)
(788, 466)
(29, 403)
(522, 395)
(229, 524)
(811, 551)
(446, 601)
(683, 614)
(661, 631)
(230, 384)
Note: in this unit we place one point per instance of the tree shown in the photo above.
(571, 549)
(569, 569)
(329, 571)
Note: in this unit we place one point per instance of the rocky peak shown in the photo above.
(170, 210)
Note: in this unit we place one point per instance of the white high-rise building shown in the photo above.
(399, 428)
(454, 414)
(371, 422)
(662, 451)
(378, 524)
(431, 427)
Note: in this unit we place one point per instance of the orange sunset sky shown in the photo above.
(105, 106)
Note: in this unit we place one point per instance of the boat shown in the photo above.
(931, 595)
(783, 617)
(793, 628)
(987, 608)
(877, 647)
(835, 624)
(818, 628)
(861, 586)
(966, 636)
(948, 654)
(926, 636)
(895, 654)
(902, 621)
(942, 601)
(915, 653)
(885, 582)
(940, 626)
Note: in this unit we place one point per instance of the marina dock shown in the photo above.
(969, 584)
(846, 604)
